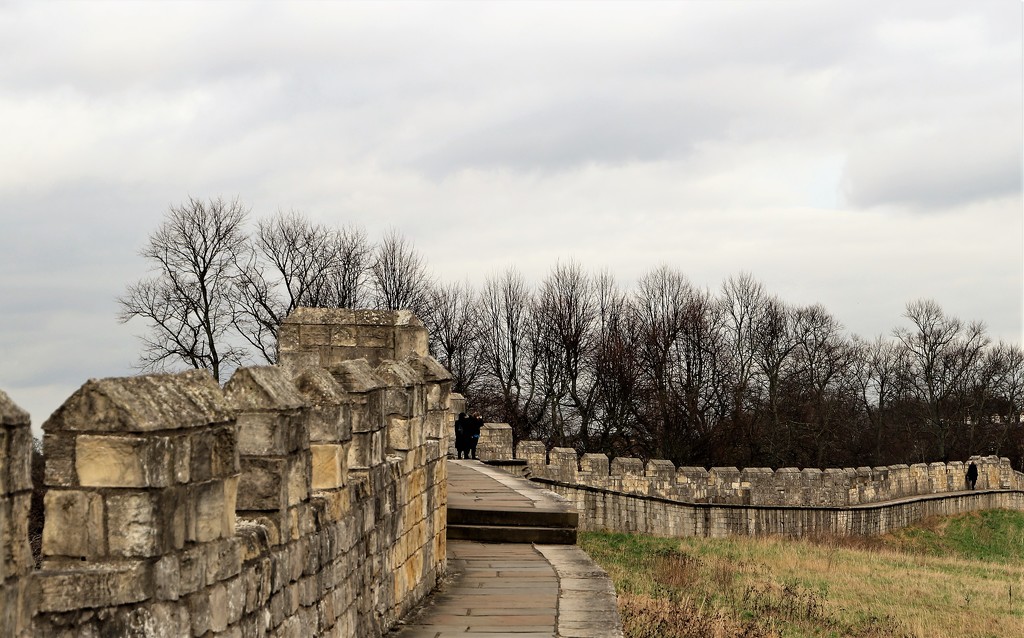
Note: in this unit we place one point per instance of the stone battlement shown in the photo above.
(303, 499)
(809, 487)
(628, 495)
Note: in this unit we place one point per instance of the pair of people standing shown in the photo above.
(467, 434)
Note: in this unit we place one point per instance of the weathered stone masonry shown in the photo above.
(303, 499)
(625, 494)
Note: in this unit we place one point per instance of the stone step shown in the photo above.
(512, 517)
(513, 534)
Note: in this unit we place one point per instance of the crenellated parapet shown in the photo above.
(788, 486)
(15, 497)
(302, 499)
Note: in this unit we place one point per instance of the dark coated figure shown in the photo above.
(476, 422)
(972, 475)
(462, 425)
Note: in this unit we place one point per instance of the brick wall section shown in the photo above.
(15, 495)
(300, 500)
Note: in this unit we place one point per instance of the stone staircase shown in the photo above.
(491, 506)
(512, 526)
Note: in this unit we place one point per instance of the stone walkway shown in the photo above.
(518, 590)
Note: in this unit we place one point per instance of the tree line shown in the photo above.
(664, 369)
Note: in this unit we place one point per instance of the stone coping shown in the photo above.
(826, 508)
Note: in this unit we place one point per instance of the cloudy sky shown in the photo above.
(857, 154)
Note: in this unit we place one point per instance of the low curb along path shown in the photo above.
(516, 589)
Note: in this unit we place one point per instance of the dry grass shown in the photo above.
(823, 587)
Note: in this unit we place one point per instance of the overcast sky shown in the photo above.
(857, 154)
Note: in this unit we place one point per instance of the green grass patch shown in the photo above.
(954, 577)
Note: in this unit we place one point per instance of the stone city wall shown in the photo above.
(303, 499)
(810, 487)
(606, 510)
(627, 495)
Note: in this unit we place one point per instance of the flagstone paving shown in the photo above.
(519, 590)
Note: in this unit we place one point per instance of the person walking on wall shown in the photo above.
(476, 422)
(462, 435)
(972, 475)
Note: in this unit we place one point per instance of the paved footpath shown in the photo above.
(518, 590)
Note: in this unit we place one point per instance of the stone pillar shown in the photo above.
(495, 442)
(726, 482)
(405, 406)
(329, 421)
(366, 396)
(788, 486)
(692, 484)
(535, 455)
(15, 497)
(563, 464)
(143, 476)
(627, 475)
(273, 446)
(661, 476)
(759, 483)
(594, 470)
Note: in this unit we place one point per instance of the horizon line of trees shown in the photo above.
(665, 369)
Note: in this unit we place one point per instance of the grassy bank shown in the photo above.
(948, 578)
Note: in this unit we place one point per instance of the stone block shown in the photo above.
(287, 338)
(330, 466)
(495, 442)
(102, 585)
(208, 520)
(411, 341)
(16, 468)
(59, 452)
(74, 524)
(213, 454)
(435, 424)
(167, 577)
(314, 335)
(133, 525)
(124, 461)
(404, 434)
(661, 469)
(356, 376)
(366, 450)
(272, 433)
(15, 554)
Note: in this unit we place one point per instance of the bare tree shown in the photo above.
(657, 316)
(564, 319)
(454, 328)
(505, 313)
(293, 262)
(353, 255)
(399, 275)
(287, 266)
(774, 364)
(878, 368)
(189, 303)
(941, 352)
(616, 371)
(823, 357)
(1008, 362)
(743, 300)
